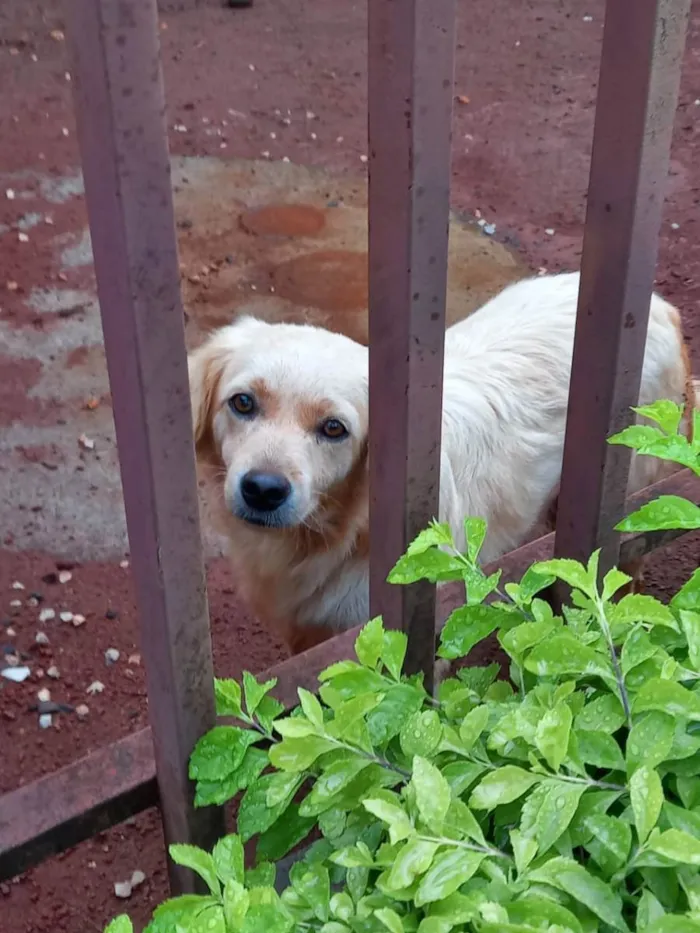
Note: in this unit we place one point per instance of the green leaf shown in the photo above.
(637, 649)
(472, 726)
(678, 846)
(120, 924)
(337, 776)
(265, 918)
(433, 793)
(281, 787)
(422, 733)
(479, 679)
(396, 818)
(573, 879)
(236, 903)
(552, 735)
(688, 596)
(433, 565)
(532, 583)
(647, 797)
(342, 906)
(665, 413)
(518, 640)
(199, 861)
(210, 920)
(368, 644)
(689, 791)
(469, 625)
(311, 708)
(663, 513)
(570, 571)
(613, 581)
(267, 711)
(386, 720)
(601, 750)
(639, 608)
(183, 909)
(649, 741)
(542, 913)
(667, 697)
(502, 786)
(412, 860)
(394, 651)
(461, 821)
(228, 697)
(284, 834)
(312, 883)
(690, 623)
(390, 919)
(611, 843)
(262, 876)
(298, 754)
(460, 775)
(680, 818)
(674, 924)
(449, 871)
(254, 691)
(524, 850)
(435, 535)
(228, 859)
(254, 763)
(475, 533)
(648, 910)
(603, 714)
(566, 654)
(219, 752)
(254, 814)
(556, 811)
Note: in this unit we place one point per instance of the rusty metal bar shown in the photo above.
(56, 812)
(120, 108)
(411, 69)
(640, 69)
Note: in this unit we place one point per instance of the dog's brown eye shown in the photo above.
(242, 404)
(333, 429)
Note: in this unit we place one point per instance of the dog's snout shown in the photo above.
(264, 491)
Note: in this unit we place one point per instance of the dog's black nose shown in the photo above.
(264, 492)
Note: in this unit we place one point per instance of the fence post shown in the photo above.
(643, 44)
(411, 69)
(120, 109)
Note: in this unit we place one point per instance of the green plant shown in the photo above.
(565, 799)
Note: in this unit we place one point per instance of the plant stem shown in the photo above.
(605, 629)
(469, 846)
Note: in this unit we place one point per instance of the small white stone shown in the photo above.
(22, 237)
(17, 585)
(78, 620)
(53, 672)
(112, 655)
(265, 154)
(588, 19)
(81, 711)
(65, 131)
(273, 135)
(45, 721)
(15, 674)
(675, 226)
(549, 231)
(41, 638)
(86, 442)
(285, 158)
(44, 695)
(15, 603)
(339, 139)
(124, 564)
(65, 576)
(251, 67)
(66, 617)
(313, 136)
(137, 878)
(310, 115)
(95, 687)
(46, 615)
(10, 194)
(364, 158)
(122, 889)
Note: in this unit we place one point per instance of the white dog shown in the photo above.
(280, 417)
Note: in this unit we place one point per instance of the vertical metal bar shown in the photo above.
(640, 69)
(411, 72)
(120, 108)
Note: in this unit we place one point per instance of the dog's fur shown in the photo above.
(507, 370)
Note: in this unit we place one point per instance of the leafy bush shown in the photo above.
(565, 799)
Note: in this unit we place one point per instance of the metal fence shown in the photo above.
(120, 106)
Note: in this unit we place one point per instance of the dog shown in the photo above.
(280, 415)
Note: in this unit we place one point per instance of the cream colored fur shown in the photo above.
(507, 370)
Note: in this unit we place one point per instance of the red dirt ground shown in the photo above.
(521, 150)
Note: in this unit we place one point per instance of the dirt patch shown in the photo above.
(284, 220)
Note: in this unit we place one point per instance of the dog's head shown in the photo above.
(281, 411)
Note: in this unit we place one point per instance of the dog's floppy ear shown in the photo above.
(205, 366)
